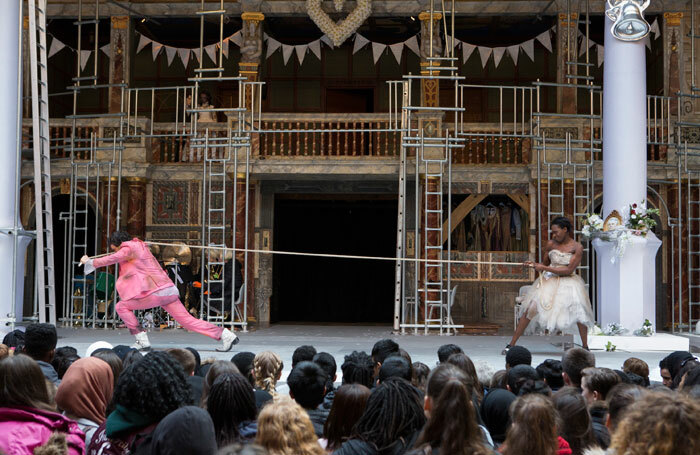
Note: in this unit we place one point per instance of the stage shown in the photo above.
(340, 340)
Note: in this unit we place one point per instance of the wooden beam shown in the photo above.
(461, 212)
(522, 200)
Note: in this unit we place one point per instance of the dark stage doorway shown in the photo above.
(316, 289)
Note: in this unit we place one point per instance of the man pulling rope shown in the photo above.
(143, 284)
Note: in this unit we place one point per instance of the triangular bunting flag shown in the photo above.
(601, 54)
(170, 54)
(84, 57)
(237, 38)
(412, 43)
(647, 42)
(467, 51)
(107, 49)
(315, 47)
(287, 52)
(224, 46)
(655, 29)
(301, 52)
(513, 51)
(529, 48)
(546, 39)
(448, 40)
(56, 46)
(272, 46)
(197, 54)
(485, 53)
(143, 42)
(582, 47)
(184, 56)
(360, 42)
(377, 51)
(155, 48)
(211, 52)
(325, 39)
(397, 50)
(498, 55)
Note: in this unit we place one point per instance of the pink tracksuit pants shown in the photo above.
(171, 304)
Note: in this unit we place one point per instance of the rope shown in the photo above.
(339, 256)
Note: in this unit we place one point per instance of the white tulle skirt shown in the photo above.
(557, 304)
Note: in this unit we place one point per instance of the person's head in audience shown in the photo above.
(576, 426)
(518, 375)
(122, 350)
(112, 359)
(446, 350)
(307, 384)
(217, 368)
(267, 370)
(573, 363)
(130, 358)
(495, 413)
(40, 342)
(188, 430)
(230, 403)
(550, 372)
(303, 353)
(686, 367)
(638, 367)
(22, 384)
(152, 388)
(197, 359)
(690, 380)
(464, 363)
(452, 422)
(284, 428)
(660, 424)
(86, 390)
(636, 380)
(244, 363)
(671, 364)
(485, 372)
(14, 339)
(381, 350)
(63, 359)
(348, 405)
(420, 375)
(185, 358)
(534, 427)
(328, 365)
(358, 368)
(518, 355)
(242, 449)
(394, 412)
(499, 380)
(535, 386)
(4, 351)
(597, 382)
(621, 376)
(619, 400)
(394, 367)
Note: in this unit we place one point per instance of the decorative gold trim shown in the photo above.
(136, 179)
(253, 16)
(613, 215)
(425, 15)
(673, 19)
(25, 23)
(120, 22)
(252, 64)
(255, 72)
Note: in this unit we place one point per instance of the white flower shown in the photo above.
(634, 217)
(586, 231)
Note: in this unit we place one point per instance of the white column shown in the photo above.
(627, 288)
(10, 32)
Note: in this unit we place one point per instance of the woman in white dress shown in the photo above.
(558, 299)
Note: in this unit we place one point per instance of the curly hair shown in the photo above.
(231, 402)
(153, 387)
(659, 424)
(284, 428)
(267, 367)
(358, 368)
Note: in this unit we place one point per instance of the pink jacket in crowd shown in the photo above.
(24, 429)
(139, 272)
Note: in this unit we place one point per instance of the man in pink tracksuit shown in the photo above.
(143, 284)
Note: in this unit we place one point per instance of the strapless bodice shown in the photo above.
(558, 258)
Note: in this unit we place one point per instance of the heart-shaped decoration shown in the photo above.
(338, 5)
(339, 31)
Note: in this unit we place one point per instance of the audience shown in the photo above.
(118, 402)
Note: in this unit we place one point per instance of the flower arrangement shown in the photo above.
(646, 330)
(640, 219)
(614, 329)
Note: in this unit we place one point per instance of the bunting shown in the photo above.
(185, 53)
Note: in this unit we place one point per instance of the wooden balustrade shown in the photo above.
(493, 149)
(60, 138)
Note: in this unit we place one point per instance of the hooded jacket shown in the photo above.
(24, 429)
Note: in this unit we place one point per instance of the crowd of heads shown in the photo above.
(116, 400)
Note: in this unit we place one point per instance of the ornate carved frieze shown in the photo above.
(170, 202)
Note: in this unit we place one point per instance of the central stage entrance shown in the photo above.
(315, 289)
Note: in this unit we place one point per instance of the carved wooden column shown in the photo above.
(136, 206)
(673, 42)
(241, 208)
(430, 88)
(119, 61)
(251, 50)
(567, 51)
(108, 203)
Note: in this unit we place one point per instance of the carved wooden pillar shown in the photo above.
(251, 50)
(109, 208)
(241, 208)
(119, 61)
(567, 51)
(136, 206)
(430, 88)
(673, 63)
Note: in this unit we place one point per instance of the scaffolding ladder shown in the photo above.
(42, 162)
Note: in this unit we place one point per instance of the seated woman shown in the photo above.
(27, 418)
(558, 299)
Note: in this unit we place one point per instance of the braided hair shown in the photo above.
(394, 414)
(267, 367)
(231, 402)
(154, 386)
(358, 368)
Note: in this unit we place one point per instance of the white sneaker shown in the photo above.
(228, 339)
(142, 343)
